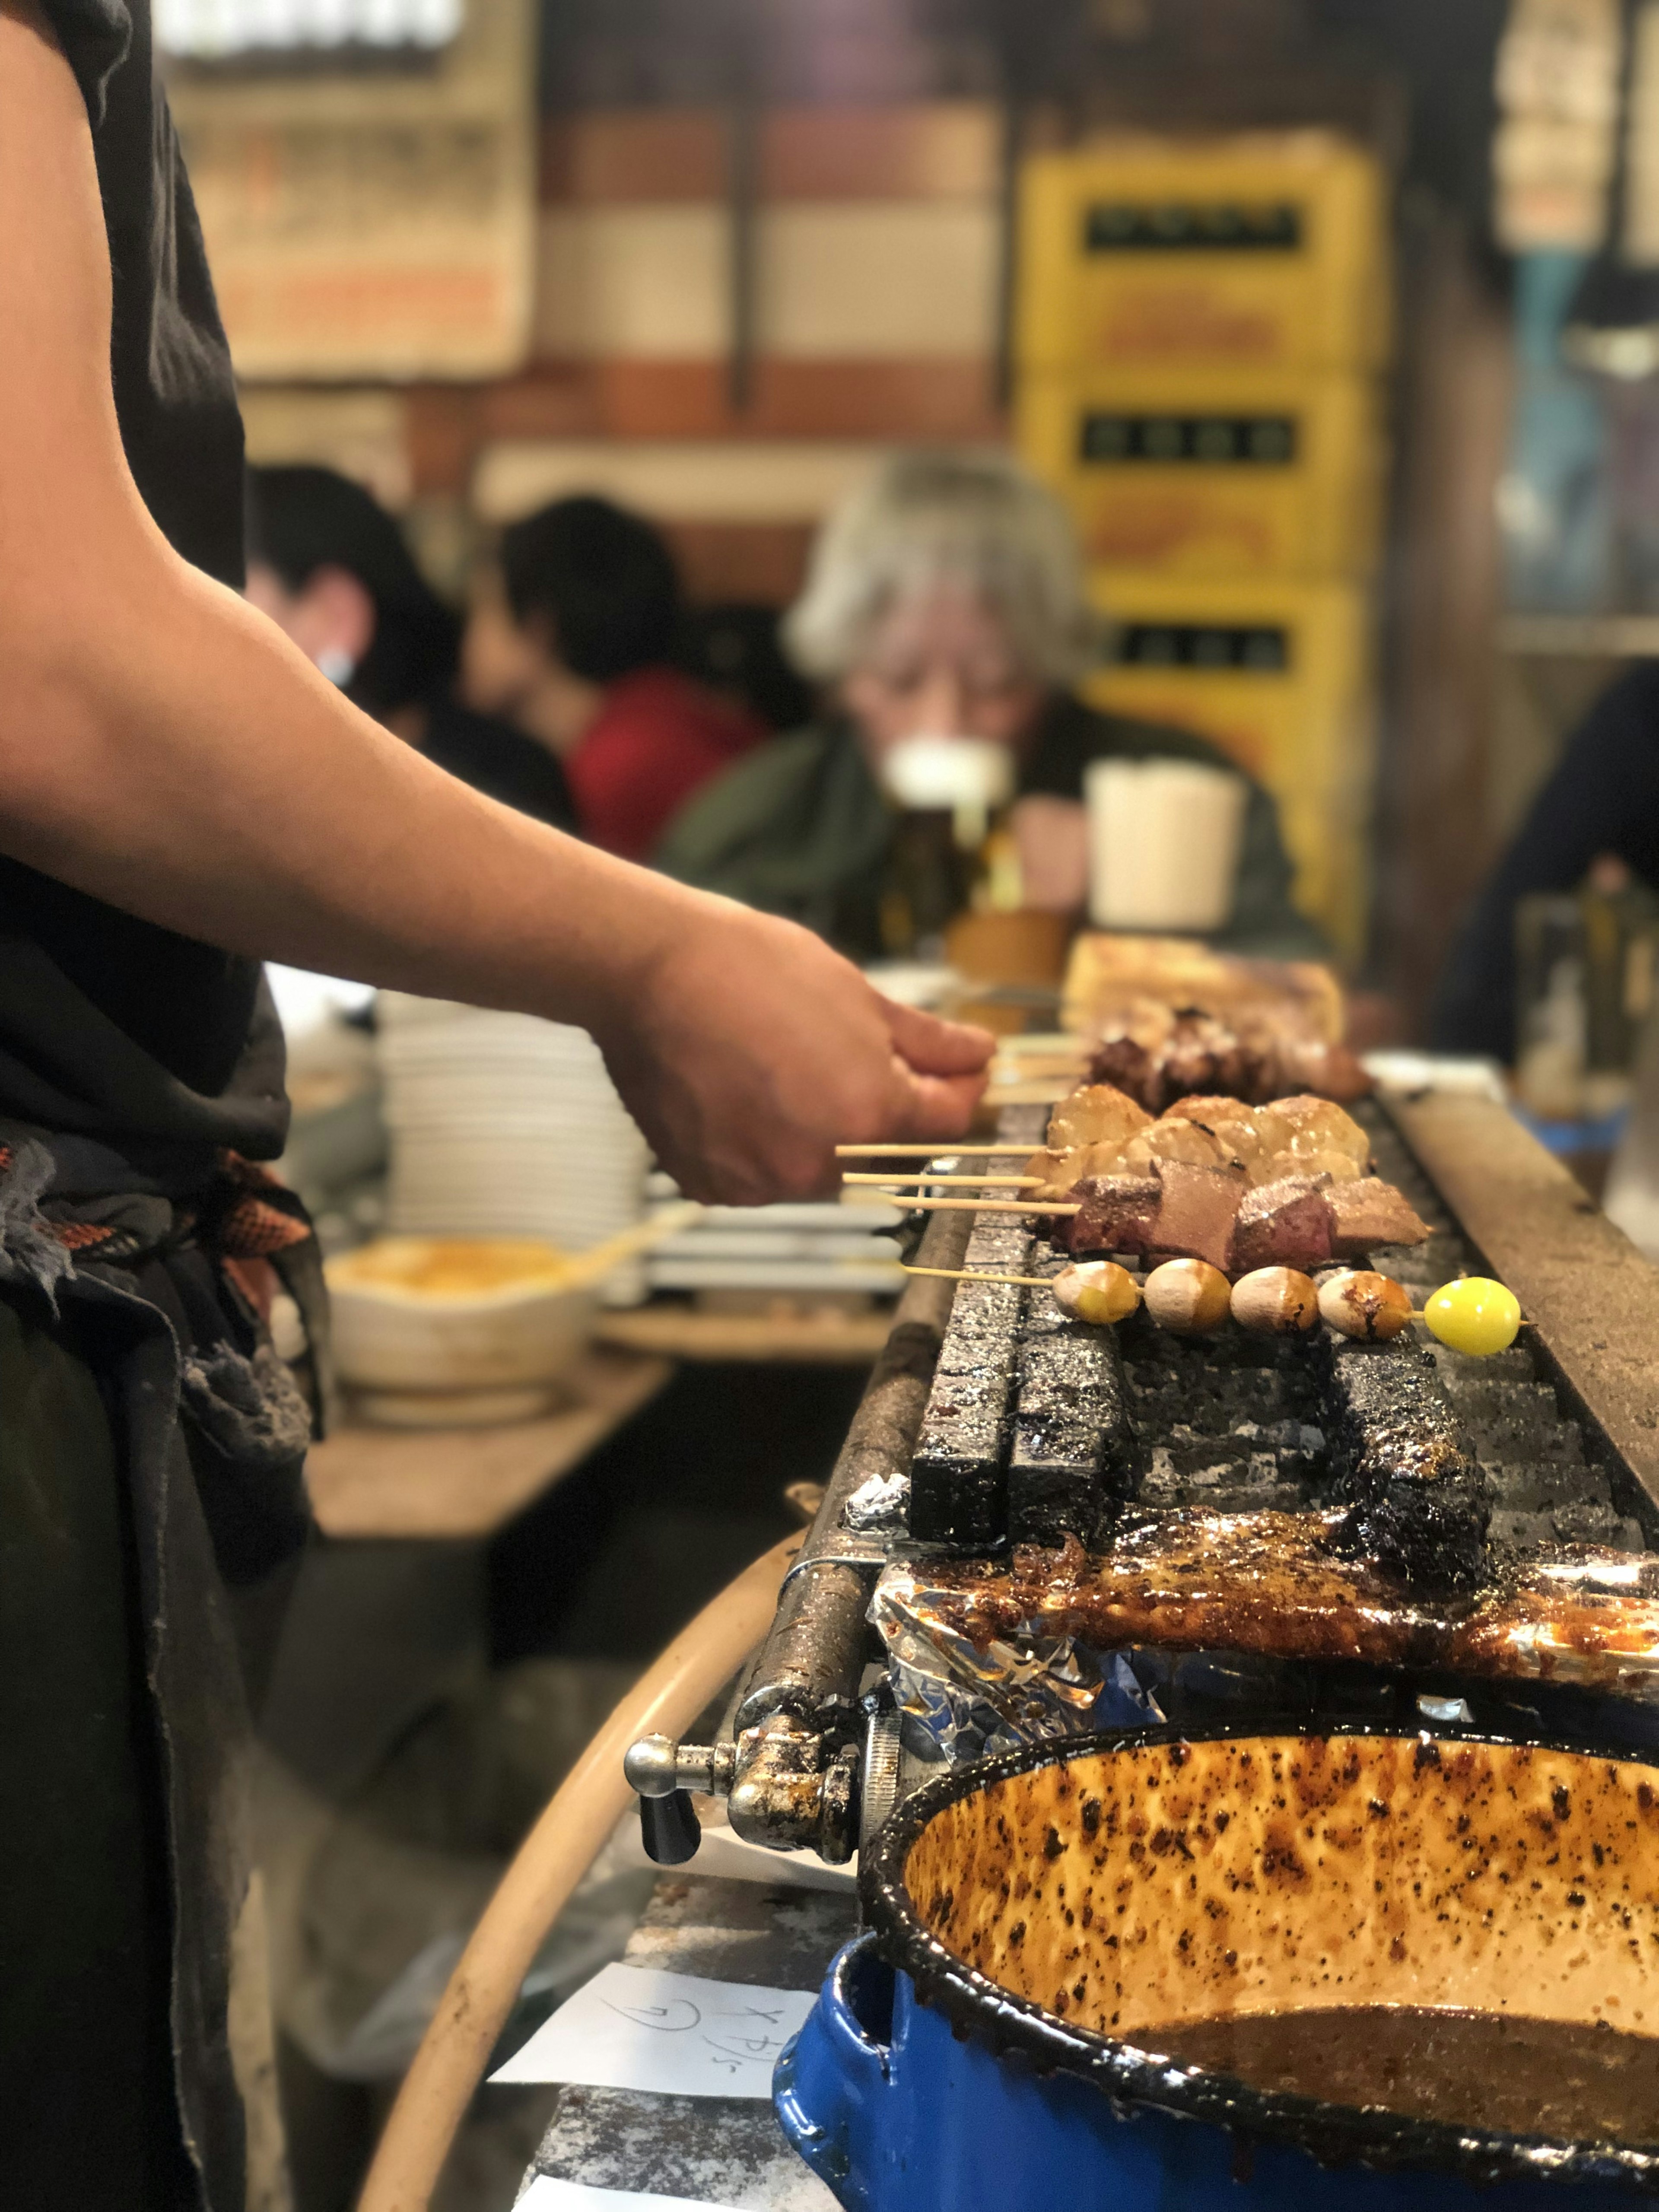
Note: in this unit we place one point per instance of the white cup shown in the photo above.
(1164, 840)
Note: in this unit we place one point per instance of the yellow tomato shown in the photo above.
(1474, 1315)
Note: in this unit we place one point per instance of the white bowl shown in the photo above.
(405, 1319)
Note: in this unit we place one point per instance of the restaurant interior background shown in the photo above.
(714, 258)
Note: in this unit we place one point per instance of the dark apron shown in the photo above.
(151, 1449)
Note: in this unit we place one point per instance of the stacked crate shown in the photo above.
(1202, 331)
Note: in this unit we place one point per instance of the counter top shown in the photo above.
(467, 1483)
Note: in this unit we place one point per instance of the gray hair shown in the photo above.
(976, 519)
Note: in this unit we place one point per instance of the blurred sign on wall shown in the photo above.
(371, 222)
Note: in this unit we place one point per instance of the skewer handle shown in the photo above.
(969, 1182)
(965, 1147)
(983, 1205)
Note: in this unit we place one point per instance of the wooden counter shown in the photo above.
(444, 1484)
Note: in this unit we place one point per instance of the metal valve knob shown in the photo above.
(662, 1773)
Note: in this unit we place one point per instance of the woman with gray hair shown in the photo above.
(944, 599)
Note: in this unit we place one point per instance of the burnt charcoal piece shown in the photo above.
(958, 1483)
(1119, 1214)
(1196, 1210)
(1074, 1451)
(1285, 1223)
(1420, 1504)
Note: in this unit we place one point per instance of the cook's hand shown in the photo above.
(753, 1050)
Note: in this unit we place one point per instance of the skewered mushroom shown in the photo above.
(1282, 1301)
(1366, 1305)
(1187, 1296)
(1097, 1291)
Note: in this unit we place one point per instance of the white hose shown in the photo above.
(550, 1861)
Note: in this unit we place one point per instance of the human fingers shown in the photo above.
(933, 1047)
(933, 1105)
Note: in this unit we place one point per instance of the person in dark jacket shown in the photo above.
(945, 598)
(1602, 800)
(330, 567)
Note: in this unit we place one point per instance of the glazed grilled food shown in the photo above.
(1282, 1185)
(1160, 1053)
(1171, 1018)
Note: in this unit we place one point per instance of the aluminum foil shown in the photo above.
(959, 1702)
(984, 1659)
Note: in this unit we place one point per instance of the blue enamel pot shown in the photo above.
(1052, 1939)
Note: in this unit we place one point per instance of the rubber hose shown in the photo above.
(550, 1861)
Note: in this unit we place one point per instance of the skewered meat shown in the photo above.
(1298, 1135)
(1173, 1138)
(1197, 1207)
(1119, 1214)
(1300, 1221)
(1235, 1127)
(1304, 1135)
(1315, 1125)
(1157, 1053)
(1095, 1115)
(1369, 1212)
(1287, 1224)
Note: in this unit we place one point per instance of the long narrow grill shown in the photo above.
(1040, 1426)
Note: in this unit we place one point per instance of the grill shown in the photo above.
(994, 1423)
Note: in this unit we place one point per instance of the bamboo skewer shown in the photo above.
(966, 1148)
(979, 1205)
(971, 1182)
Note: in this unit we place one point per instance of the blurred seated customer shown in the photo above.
(330, 567)
(733, 646)
(572, 642)
(1601, 804)
(944, 599)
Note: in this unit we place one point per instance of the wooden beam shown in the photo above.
(1592, 1299)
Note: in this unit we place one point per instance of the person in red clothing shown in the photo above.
(570, 639)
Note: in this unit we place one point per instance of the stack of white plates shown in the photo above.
(803, 1249)
(504, 1126)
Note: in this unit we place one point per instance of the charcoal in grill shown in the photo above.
(1075, 1452)
(1419, 1502)
(958, 1476)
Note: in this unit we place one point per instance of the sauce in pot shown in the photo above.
(1530, 2077)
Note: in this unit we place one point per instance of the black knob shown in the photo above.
(668, 1828)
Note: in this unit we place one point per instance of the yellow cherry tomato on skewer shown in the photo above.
(1475, 1315)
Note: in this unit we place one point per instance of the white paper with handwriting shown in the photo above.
(546, 2194)
(637, 2027)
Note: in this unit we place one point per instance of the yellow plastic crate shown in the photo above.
(1213, 472)
(1269, 251)
(1278, 673)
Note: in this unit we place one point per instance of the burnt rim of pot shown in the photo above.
(1133, 2074)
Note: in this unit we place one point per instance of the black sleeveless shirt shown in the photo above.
(110, 1025)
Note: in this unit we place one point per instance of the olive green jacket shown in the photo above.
(799, 828)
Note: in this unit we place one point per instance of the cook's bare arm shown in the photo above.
(162, 746)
